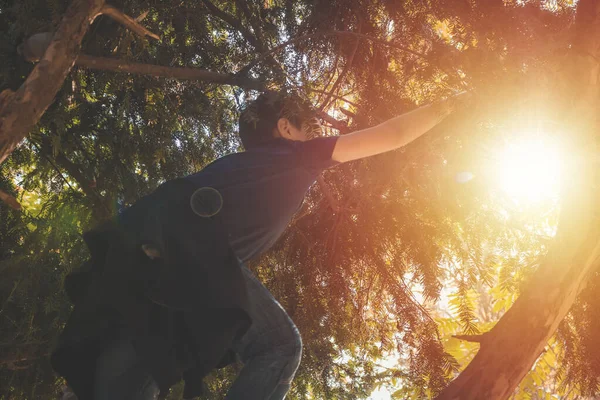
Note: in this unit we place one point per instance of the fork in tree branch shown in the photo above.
(20, 111)
(33, 49)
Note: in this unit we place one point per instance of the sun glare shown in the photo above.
(530, 170)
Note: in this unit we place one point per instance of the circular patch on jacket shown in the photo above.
(206, 202)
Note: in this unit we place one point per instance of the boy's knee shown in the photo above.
(297, 354)
(294, 343)
(293, 356)
(298, 347)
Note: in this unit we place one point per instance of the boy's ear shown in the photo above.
(283, 127)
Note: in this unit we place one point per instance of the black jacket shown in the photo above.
(181, 311)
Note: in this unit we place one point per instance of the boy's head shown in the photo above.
(273, 115)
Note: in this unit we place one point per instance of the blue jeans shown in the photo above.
(270, 350)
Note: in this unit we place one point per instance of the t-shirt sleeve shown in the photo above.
(316, 153)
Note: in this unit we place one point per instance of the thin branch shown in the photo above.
(471, 338)
(10, 200)
(333, 72)
(14, 288)
(332, 238)
(184, 73)
(333, 202)
(234, 23)
(342, 76)
(304, 211)
(5, 96)
(400, 286)
(12, 364)
(347, 113)
(275, 49)
(142, 16)
(74, 171)
(124, 42)
(335, 124)
(242, 5)
(254, 38)
(17, 344)
(380, 41)
(335, 96)
(127, 21)
(58, 171)
(84, 183)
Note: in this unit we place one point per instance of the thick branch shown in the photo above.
(20, 111)
(34, 47)
(127, 21)
(184, 73)
(9, 200)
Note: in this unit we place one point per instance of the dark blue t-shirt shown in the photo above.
(263, 188)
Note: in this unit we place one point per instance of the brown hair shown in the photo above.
(260, 117)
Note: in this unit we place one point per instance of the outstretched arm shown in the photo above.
(393, 133)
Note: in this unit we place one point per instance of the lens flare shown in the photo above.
(530, 170)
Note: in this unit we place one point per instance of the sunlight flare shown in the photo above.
(530, 170)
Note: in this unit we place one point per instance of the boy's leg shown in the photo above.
(270, 350)
(121, 376)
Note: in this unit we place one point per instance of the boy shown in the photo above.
(252, 197)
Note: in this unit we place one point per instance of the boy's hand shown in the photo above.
(456, 102)
(396, 132)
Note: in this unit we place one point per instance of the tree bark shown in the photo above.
(508, 352)
(9, 200)
(21, 110)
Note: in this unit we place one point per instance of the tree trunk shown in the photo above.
(21, 110)
(510, 349)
